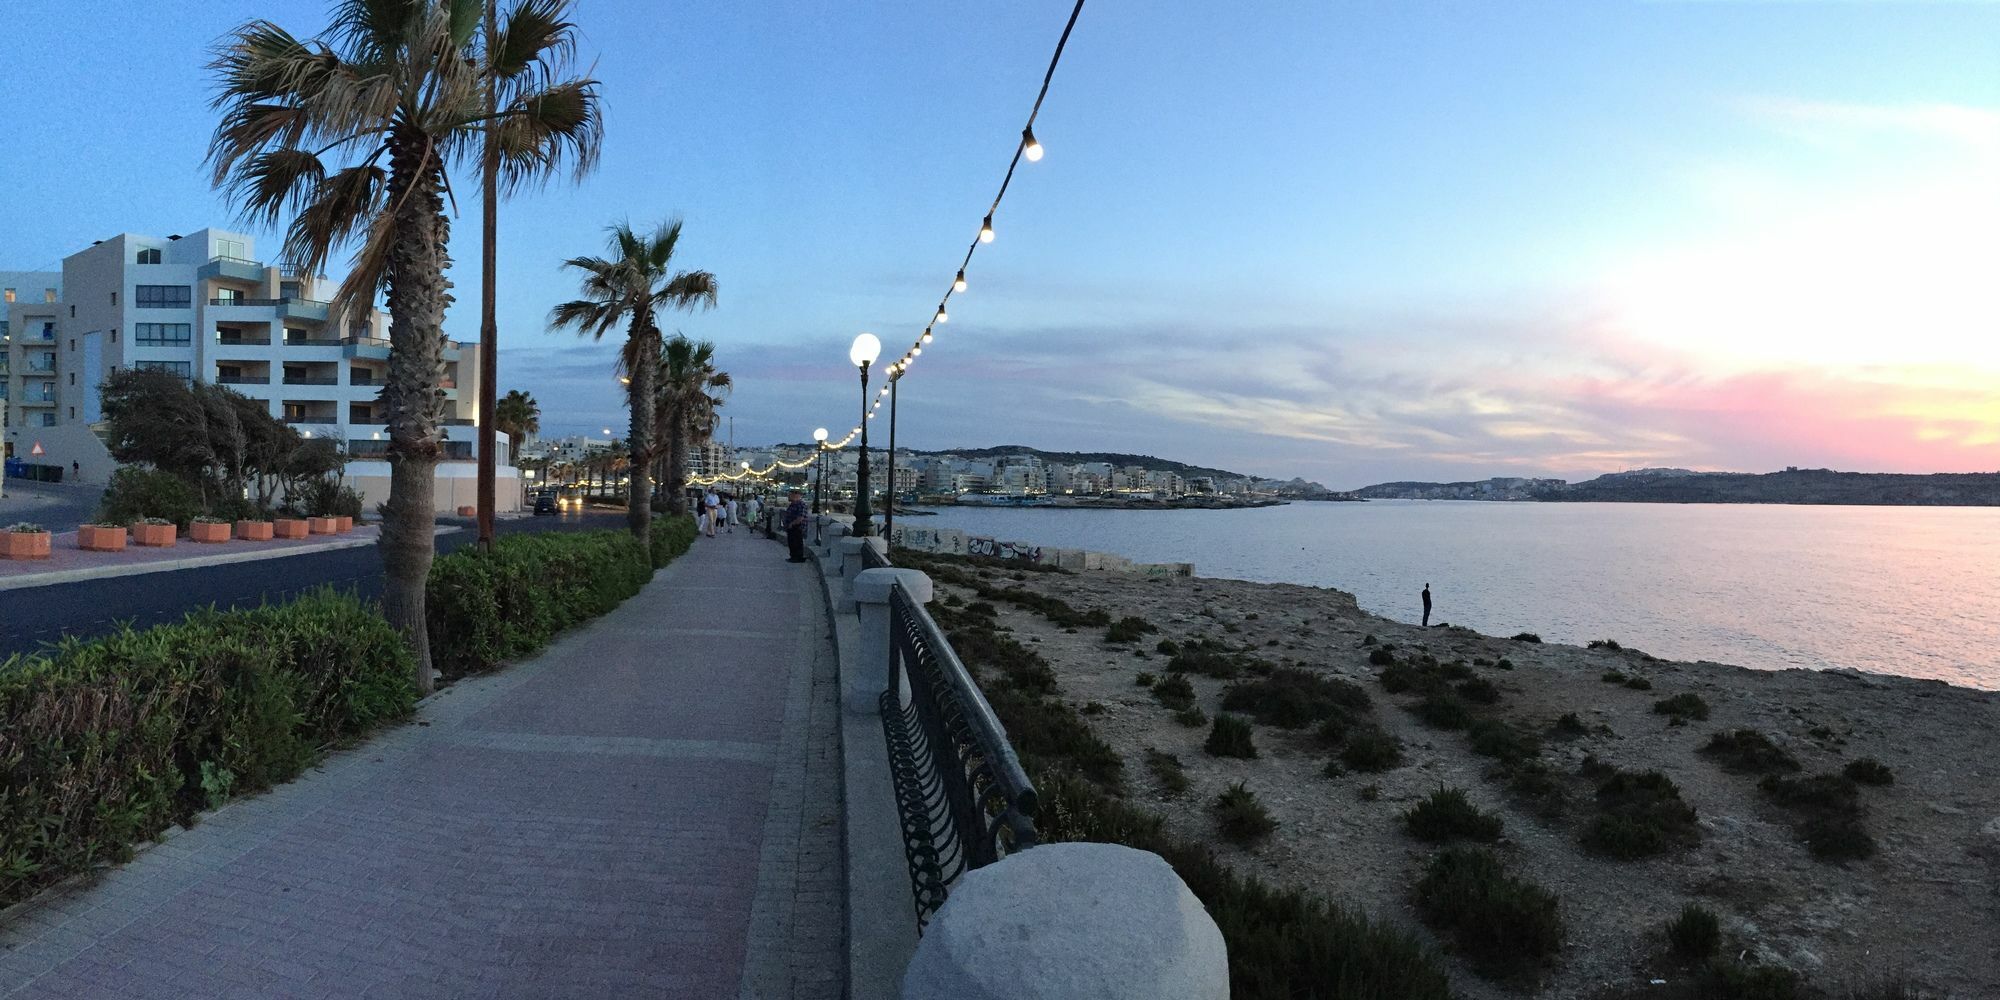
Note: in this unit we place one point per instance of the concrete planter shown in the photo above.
(25, 544)
(290, 527)
(97, 538)
(323, 525)
(253, 531)
(209, 531)
(159, 536)
(346, 523)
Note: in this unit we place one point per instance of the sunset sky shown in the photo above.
(1348, 241)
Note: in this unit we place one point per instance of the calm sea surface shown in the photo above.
(1896, 590)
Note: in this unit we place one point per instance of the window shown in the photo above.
(151, 256)
(161, 334)
(161, 297)
(181, 368)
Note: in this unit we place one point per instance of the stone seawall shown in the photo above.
(952, 541)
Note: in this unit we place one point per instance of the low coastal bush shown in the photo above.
(1284, 943)
(1174, 691)
(1128, 629)
(1868, 771)
(1504, 926)
(1682, 708)
(1240, 818)
(1827, 814)
(106, 742)
(1290, 698)
(1168, 772)
(1230, 737)
(1640, 814)
(1747, 751)
(1371, 750)
(1696, 933)
(1447, 815)
(486, 606)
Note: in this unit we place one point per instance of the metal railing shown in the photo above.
(963, 800)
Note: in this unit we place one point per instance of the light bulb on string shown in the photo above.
(986, 229)
(958, 283)
(1029, 147)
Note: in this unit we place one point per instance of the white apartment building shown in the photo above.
(203, 307)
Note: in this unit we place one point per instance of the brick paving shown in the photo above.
(648, 809)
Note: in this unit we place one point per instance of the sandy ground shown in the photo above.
(1927, 904)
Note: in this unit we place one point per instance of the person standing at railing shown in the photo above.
(795, 526)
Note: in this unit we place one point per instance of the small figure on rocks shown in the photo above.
(1427, 605)
(795, 526)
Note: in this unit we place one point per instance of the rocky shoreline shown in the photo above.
(1922, 906)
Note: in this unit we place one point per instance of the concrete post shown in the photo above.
(862, 689)
(1071, 921)
(850, 553)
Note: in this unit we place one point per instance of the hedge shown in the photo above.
(106, 742)
(486, 607)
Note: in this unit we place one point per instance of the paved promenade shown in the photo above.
(649, 809)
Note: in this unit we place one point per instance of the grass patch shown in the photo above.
(1447, 815)
(1230, 737)
(1695, 934)
(1503, 925)
(1682, 708)
(1168, 772)
(1640, 814)
(1291, 698)
(1747, 751)
(1240, 818)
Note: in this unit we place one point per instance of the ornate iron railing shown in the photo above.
(961, 795)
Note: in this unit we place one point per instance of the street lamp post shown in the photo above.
(889, 495)
(863, 353)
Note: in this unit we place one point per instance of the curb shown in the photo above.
(193, 562)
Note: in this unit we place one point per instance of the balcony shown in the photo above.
(235, 268)
(243, 380)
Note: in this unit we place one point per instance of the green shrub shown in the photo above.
(137, 493)
(1283, 943)
(487, 606)
(1640, 814)
(1505, 926)
(1230, 737)
(1868, 771)
(1371, 750)
(1747, 751)
(1448, 815)
(1174, 691)
(1291, 698)
(1192, 717)
(1682, 707)
(105, 742)
(1168, 772)
(1240, 818)
(1128, 629)
(1696, 933)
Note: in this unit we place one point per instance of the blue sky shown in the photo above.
(1350, 241)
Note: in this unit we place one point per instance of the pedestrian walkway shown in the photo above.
(649, 809)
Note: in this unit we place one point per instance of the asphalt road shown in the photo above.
(34, 616)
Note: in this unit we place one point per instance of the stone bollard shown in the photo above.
(850, 553)
(871, 600)
(1073, 921)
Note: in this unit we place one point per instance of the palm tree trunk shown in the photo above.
(677, 464)
(645, 368)
(418, 292)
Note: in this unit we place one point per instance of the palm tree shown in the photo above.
(516, 415)
(629, 286)
(689, 393)
(395, 88)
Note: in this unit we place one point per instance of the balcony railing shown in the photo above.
(311, 380)
(243, 380)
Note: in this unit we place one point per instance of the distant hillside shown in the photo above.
(1084, 457)
(1800, 486)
